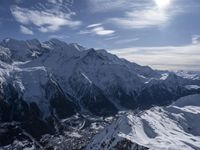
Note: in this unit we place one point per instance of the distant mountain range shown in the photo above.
(45, 82)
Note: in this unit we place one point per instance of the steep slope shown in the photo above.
(43, 83)
(23, 50)
(90, 78)
(173, 127)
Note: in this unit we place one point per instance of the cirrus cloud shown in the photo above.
(196, 39)
(137, 14)
(45, 19)
(26, 30)
(97, 29)
(142, 19)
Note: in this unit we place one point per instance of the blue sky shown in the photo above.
(164, 34)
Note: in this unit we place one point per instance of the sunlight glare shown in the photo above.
(162, 4)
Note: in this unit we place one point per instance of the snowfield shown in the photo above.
(175, 127)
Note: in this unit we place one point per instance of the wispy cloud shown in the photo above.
(70, 2)
(46, 19)
(196, 39)
(102, 31)
(167, 57)
(107, 5)
(62, 37)
(94, 25)
(26, 30)
(97, 29)
(112, 38)
(137, 14)
(147, 15)
(142, 19)
(125, 41)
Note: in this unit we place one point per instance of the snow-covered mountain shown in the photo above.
(161, 128)
(195, 75)
(87, 78)
(44, 82)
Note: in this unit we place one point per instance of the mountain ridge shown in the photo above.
(45, 82)
(172, 127)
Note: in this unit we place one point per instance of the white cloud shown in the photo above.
(196, 39)
(55, 1)
(94, 25)
(142, 19)
(169, 57)
(97, 29)
(26, 30)
(107, 5)
(104, 6)
(137, 14)
(46, 20)
(124, 41)
(102, 31)
(147, 15)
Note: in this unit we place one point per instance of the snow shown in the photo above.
(30, 81)
(34, 54)
(75, 134)
(109, 118)
(77, 46)
(71, 61)
(174, 127)
(44, 45)
(164, 76)
(30, 148)
(191, 87)
(96, 126)
(7, 40)
(87, 78)
(64, 60)
(188, 74)
(192, 100)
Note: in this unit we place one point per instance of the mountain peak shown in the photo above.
(92, 53)
(77, 46)
(56, 41)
